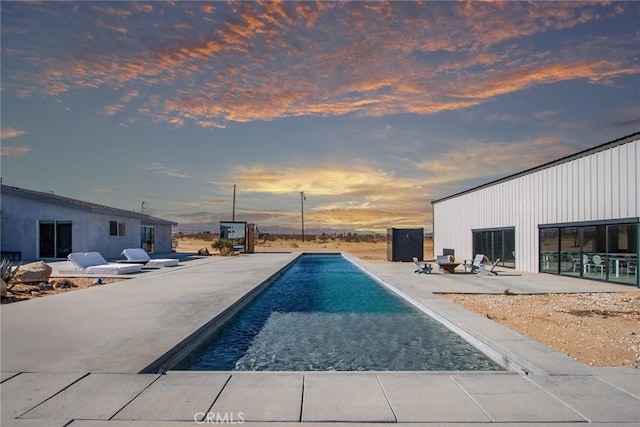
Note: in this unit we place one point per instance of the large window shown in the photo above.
(54, 239)
(496, 243)
(600, 251)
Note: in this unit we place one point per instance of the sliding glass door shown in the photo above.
(147, 239)
(598, 251)
(54, 239)
(496, 243)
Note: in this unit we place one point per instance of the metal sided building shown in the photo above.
(576, 216)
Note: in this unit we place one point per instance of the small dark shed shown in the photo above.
(405, 243)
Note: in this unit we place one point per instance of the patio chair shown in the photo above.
(485, 271)
(597, 263)
(577, 267)
(94, 263)
(426, 268)
(479, 266)
(477, 262)
(632, 268)
(139, 255)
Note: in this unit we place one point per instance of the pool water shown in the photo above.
(325, 314)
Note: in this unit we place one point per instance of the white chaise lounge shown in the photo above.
(141, 256)
(94, 263)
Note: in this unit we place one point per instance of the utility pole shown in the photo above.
(302, 199)
(233, 212)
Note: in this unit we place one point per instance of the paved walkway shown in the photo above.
(74, 359)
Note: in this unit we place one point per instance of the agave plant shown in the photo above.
(8, 272)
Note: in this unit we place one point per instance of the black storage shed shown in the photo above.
(405, 243)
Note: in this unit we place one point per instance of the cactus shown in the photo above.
(7, 272)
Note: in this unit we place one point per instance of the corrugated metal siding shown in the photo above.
(405, 243)
(600, 186)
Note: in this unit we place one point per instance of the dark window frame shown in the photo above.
(117, 228)
(600, 243)
(505, 261)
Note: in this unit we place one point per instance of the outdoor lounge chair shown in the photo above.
(479, 266)
(141, 256)
(422, 268)
(94, 263)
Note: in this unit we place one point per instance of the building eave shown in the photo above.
(67, 202)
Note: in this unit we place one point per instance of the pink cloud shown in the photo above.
(268, 60)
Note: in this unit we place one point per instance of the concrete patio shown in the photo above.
(75, 359)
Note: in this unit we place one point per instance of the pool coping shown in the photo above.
(64, 387)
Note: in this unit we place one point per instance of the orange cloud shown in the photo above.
(362, 197)
(267, 60)
(7, 133)
(519, 79)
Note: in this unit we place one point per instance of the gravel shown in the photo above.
(599, 329)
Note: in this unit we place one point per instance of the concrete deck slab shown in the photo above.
(629, 382)
(80, 332)
(426, 397)
(345, 397)
(17, 422)
(595, 400)
(178, 396)
(92, 423)
(25, 391)
(96, 396)
(154, 313)
(510, 398)
(258, 396)
(6, 375)
(507, 346)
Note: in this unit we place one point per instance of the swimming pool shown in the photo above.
(325, 314)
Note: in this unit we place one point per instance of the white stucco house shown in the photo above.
(577, 216)
(37, 225)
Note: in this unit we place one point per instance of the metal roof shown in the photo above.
(587, 152)
(68, 202)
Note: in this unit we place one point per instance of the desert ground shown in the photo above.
(600, 329)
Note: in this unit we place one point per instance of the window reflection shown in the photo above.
(549, 245)
(602, 252)
(236, 233)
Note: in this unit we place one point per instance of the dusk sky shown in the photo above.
(373, 109)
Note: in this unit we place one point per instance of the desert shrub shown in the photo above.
(268, 237)
(224, 246)
(8, 272)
